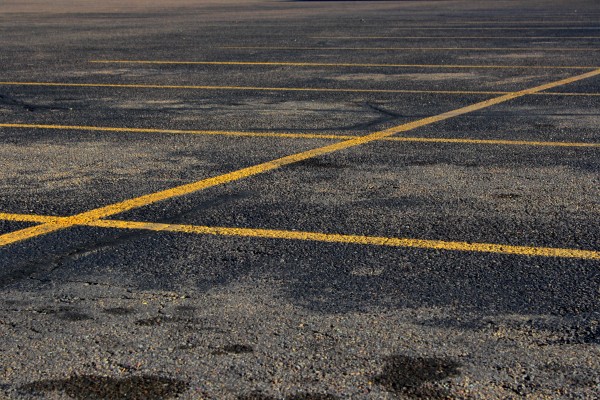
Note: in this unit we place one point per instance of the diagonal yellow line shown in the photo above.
(350, 65)
(116, 208)
(531, 251)
(300, 135)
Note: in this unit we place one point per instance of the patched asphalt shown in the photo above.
(293, 283)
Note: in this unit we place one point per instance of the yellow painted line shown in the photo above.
(450, 37)
(405, 27)
(494, 28)
(356, 239)
(298, 135)
(253, 88)
(532, 251)
(176, 131)
(525, 22)
(340, 65)
(493, 142)
(583, 94)
(282, 89)
(122, 206)
(28, 218)
(530, 49)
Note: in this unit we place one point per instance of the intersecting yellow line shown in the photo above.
(350, 65)
(531, 251)
(301, 135)
(117, 208)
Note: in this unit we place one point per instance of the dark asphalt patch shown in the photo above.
(417, 377)
(119, 311)
(299, 396)
(234, 349)
(92, 387)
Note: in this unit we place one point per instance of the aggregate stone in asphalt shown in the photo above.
(166, 230)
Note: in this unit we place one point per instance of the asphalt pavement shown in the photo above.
(299, 199)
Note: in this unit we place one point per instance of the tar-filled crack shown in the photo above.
(386, 116)
(34, 269)
(383, 111)
(10, 101)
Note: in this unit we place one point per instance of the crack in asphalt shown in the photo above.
(34, 269)
(11, 101)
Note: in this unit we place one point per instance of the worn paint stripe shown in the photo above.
(252, 88)
(342, 65)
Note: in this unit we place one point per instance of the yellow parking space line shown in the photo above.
(300, 135)
(177, 131)
(493, 28)
(122, 206)
(544, 22)
(531, 251)
(42, 219)
(283, 89)
(529, 49)
(493, 142)
(336, 65)
(449, 37)
(250, 88)
(574, 94)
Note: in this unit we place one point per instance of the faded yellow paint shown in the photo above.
(336, 65)
(252, 88)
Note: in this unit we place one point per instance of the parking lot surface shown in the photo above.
(299, 199)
